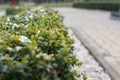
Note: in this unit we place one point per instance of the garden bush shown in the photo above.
(110, 6)
(34, 45)
(22, 6)
(13, 10)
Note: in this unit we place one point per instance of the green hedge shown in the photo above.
(34, 45)
(22, 6)
(110, 6)
(13, 10)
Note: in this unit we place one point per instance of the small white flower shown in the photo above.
(8, 19)
(25, 39)
(38, 31)
(10, 23)
(9, 48)
(31, 16)
(1, 40)
(13, 28)
(17, 16)
(16, 25)
(18, 48)
(26, 26)
(38, 55)
(26, 18)
(42, 10)
(34, 14)
(44, 14)
(28, 12)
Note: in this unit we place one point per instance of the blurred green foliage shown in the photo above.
(22, 6)
(102, 5)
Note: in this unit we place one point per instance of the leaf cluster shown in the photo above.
(34, 45)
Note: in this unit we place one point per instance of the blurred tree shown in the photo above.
(14, 2)
(2, 1)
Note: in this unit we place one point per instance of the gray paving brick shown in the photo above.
(100, 33)
(111, 60)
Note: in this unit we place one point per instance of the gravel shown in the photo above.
(90, 66)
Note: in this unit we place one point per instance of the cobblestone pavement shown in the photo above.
(90, 66)
(98, 29)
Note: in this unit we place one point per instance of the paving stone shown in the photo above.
(117, 68)
(99, 32)
(111, 60)
(115, 54)
(90, 66)
(118, 58)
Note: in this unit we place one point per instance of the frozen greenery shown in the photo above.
(34, 45)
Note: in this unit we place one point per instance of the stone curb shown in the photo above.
(113, 74)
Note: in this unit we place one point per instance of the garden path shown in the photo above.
(2, 10)
(100, 32)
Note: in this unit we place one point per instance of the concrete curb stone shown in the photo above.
(113, 74)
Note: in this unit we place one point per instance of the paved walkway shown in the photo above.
(99, 31)
(2, 10)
